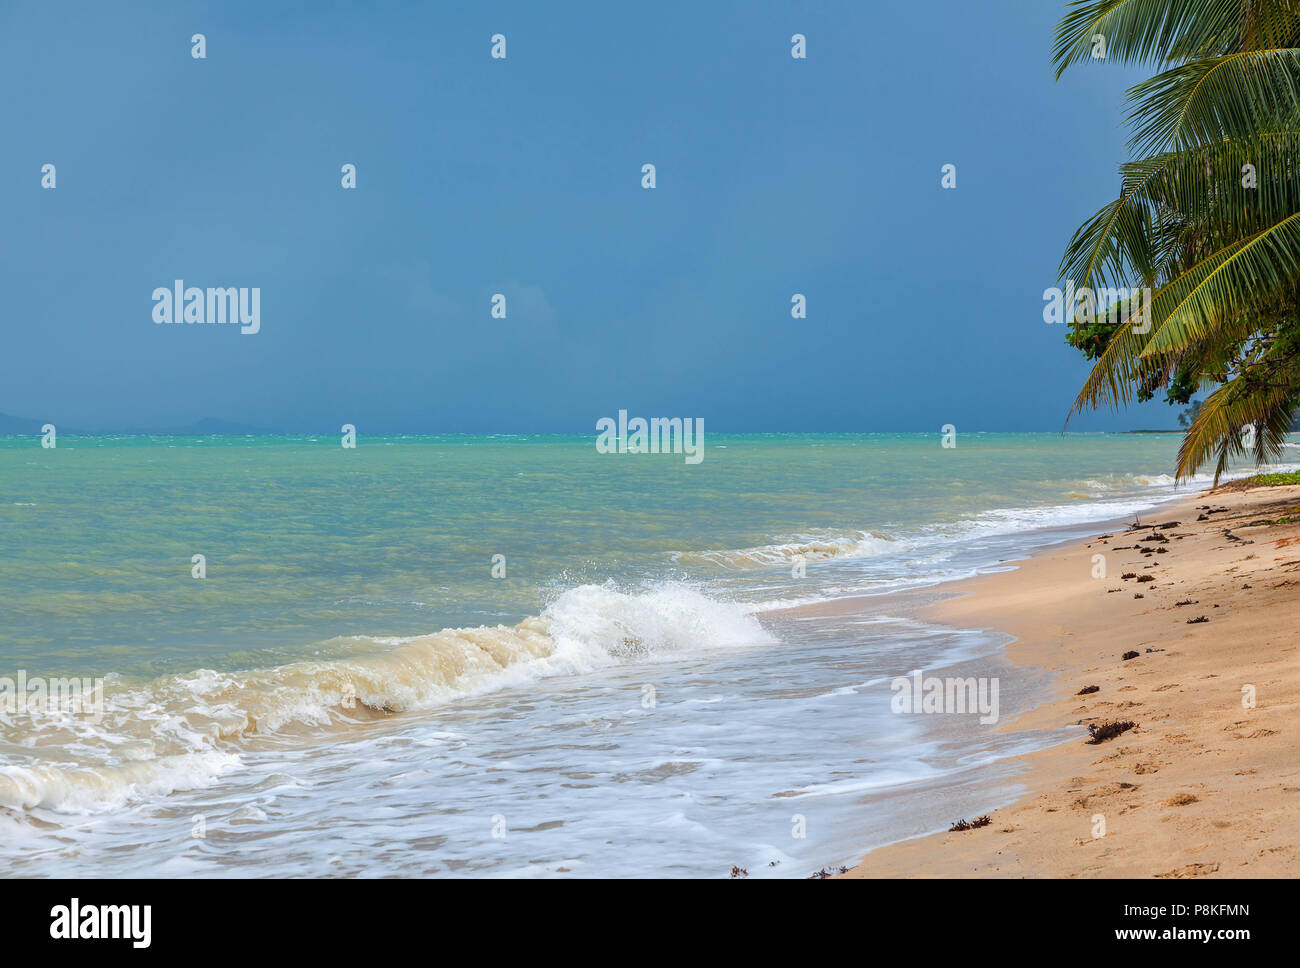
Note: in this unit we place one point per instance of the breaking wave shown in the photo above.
(814, 546)
(185, 731)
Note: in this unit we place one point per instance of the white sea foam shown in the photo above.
(183, 731)
(82, 789)
(812, 546)
(1129, 494)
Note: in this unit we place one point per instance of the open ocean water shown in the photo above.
(644, 682)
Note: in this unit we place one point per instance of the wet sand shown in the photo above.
(1207, 781)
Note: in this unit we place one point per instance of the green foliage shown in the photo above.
(1208, 217)
(1272, 480)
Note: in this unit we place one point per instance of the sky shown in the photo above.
(523, 176)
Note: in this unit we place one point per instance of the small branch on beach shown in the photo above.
(1086, 690)
(965, 824)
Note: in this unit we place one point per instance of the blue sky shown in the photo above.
(523, 176)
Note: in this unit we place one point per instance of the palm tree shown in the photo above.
(1208, 218)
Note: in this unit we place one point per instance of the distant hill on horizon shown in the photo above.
(10, 424)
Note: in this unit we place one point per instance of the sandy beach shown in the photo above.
(1207, 781)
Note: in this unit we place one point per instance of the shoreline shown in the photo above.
(1202, 785)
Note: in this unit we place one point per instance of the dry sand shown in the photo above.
(1205, 785)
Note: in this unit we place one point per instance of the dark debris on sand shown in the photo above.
(965, 824)
(1105, 731)
(1086, 690)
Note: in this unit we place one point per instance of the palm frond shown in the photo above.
(1150, 31)
(1204, 187)
(1217, 430)
(1212, 98)
(1226, 284)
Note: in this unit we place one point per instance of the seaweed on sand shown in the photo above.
(1104, 731)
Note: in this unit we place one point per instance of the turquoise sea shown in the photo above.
(501, 655)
